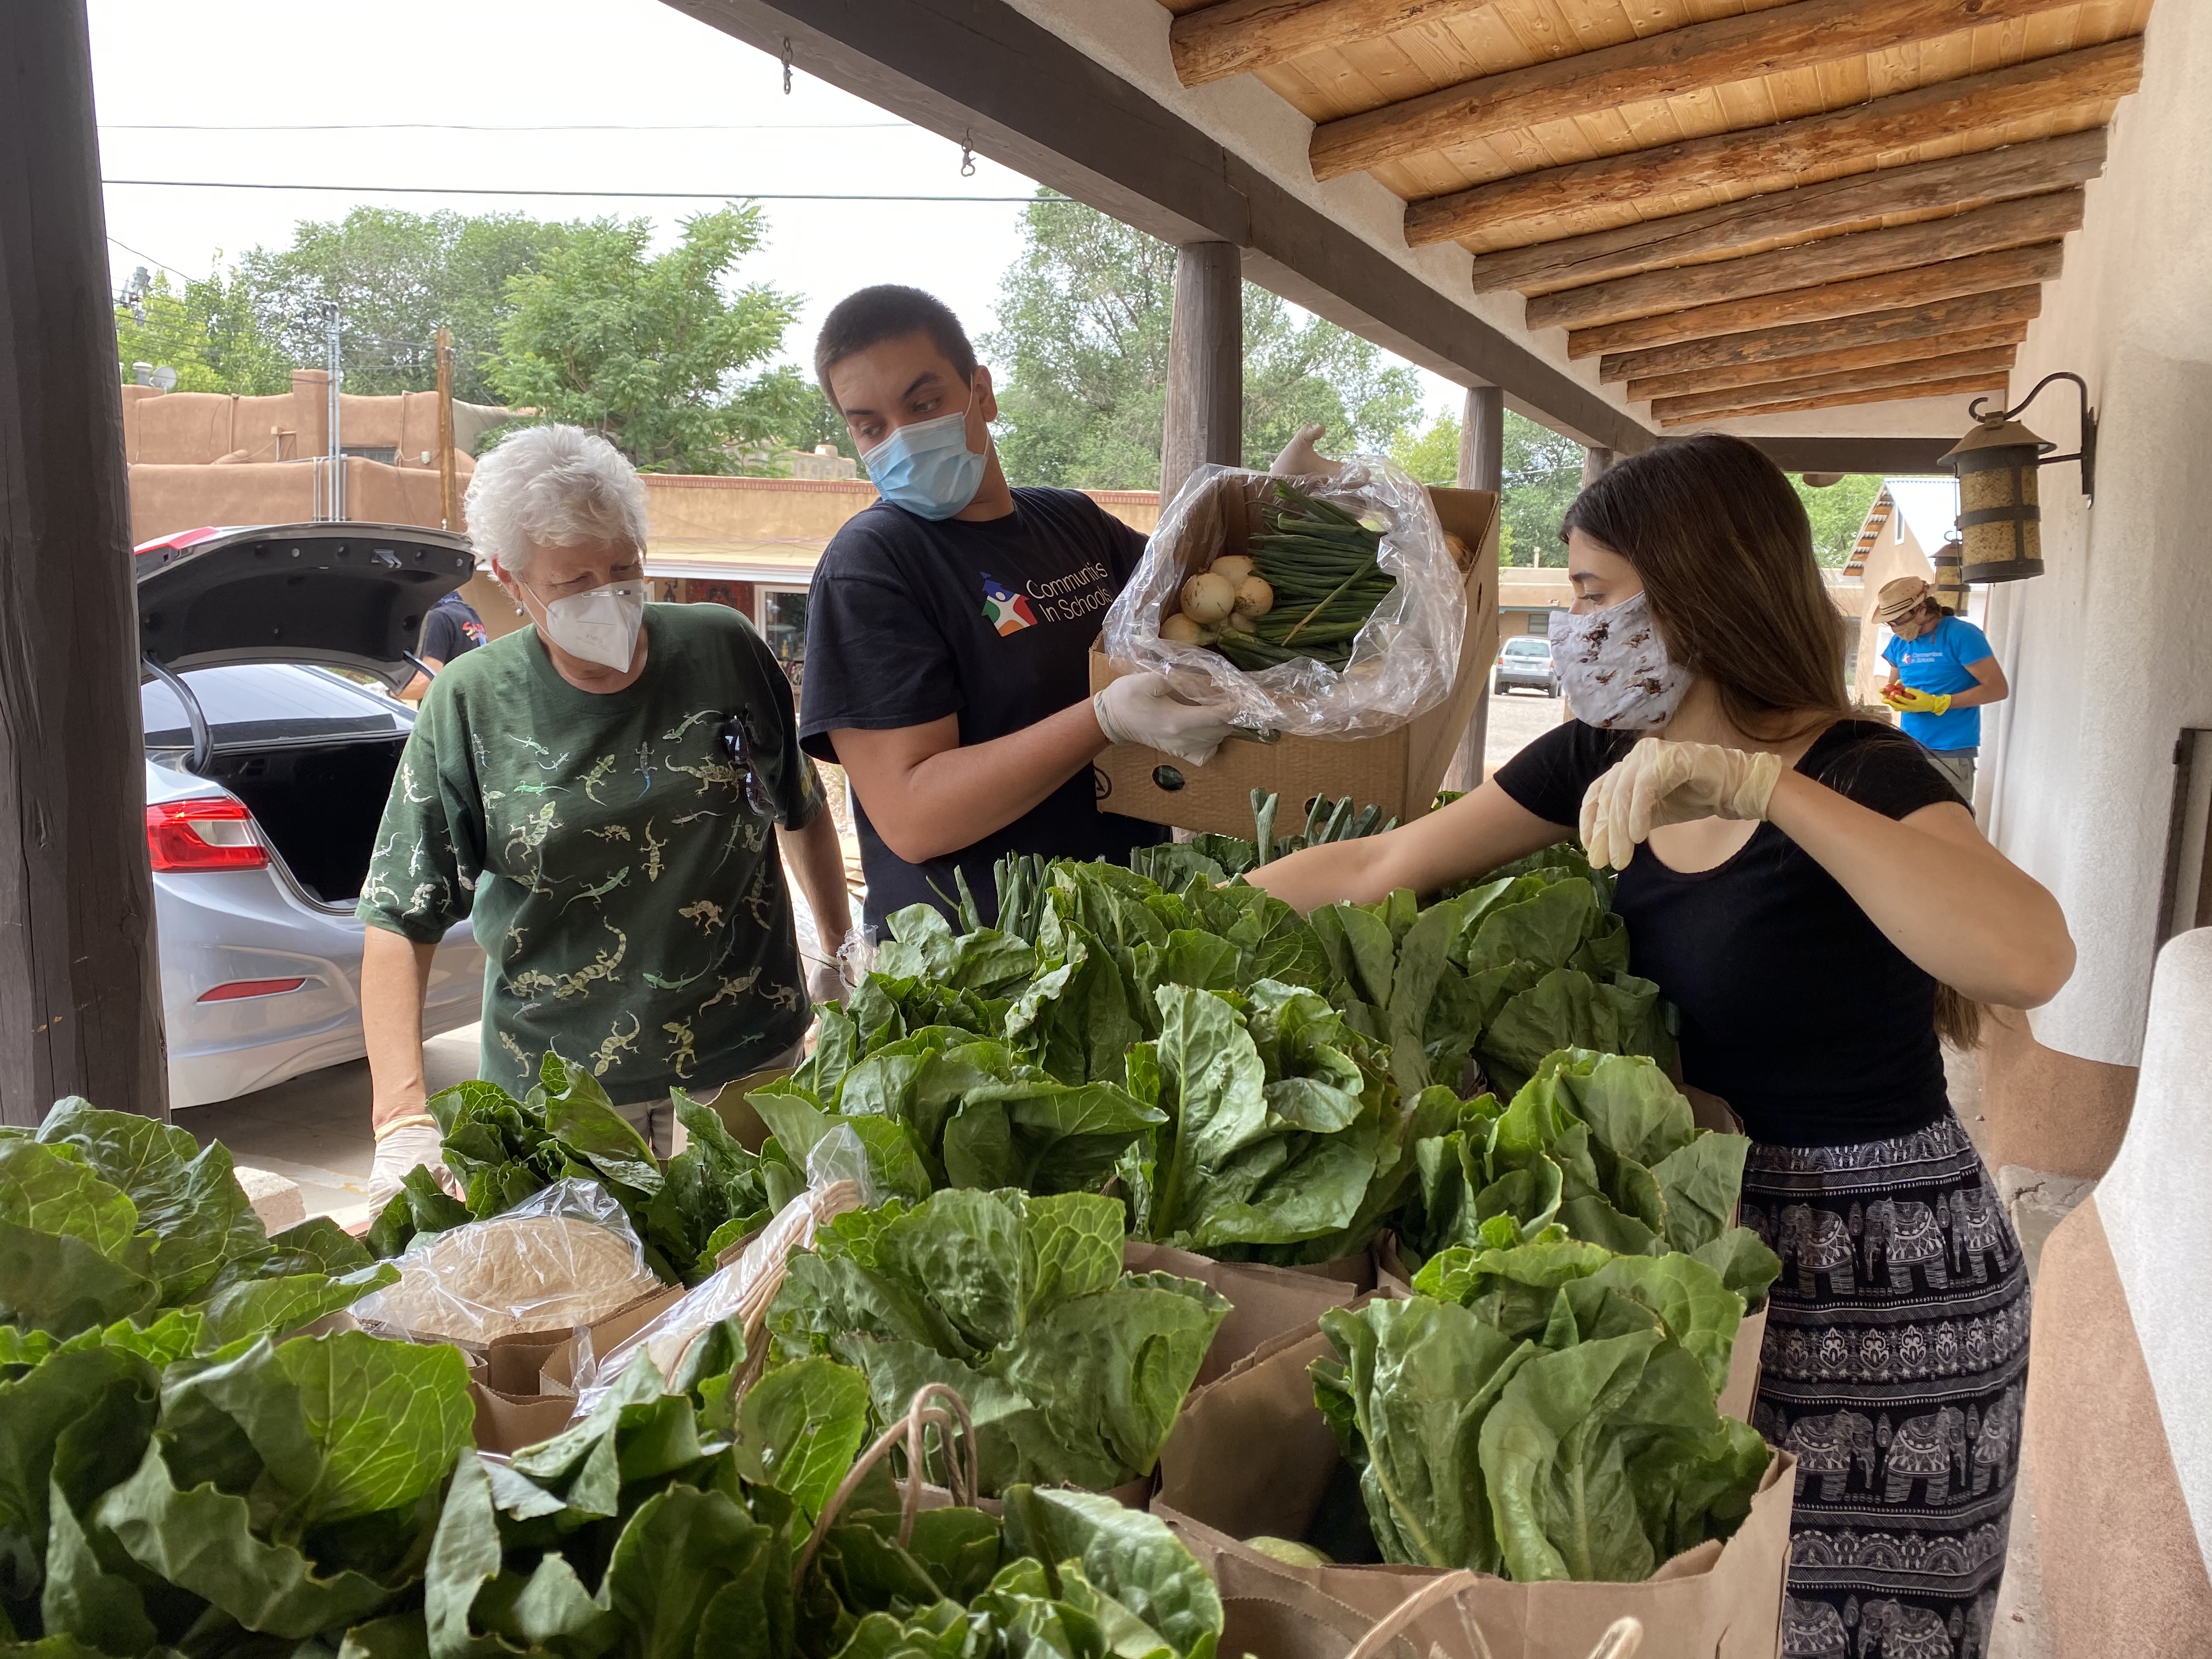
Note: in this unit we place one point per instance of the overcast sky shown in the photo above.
(610, 79)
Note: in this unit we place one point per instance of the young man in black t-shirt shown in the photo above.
(451, 629)
(948, 627)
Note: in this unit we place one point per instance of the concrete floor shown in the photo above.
(1518, 719)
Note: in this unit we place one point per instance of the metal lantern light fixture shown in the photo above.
(2000, 514)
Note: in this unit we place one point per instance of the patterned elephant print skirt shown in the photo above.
(1895, 1369)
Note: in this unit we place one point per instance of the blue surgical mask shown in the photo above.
(927, 468)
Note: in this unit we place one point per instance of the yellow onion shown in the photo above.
(1232, 567)
(1179, 629)
(1255, 597)
(1208, 598)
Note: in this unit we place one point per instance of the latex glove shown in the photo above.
(1918, 702)
(399, 1148)
(824, 982)
(1661, 782)
(856, 956)
(1143, 708)
(1300, 459)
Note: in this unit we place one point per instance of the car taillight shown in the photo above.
(239, 989)
(208, 833)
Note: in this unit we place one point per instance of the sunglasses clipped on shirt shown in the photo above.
(736, 738)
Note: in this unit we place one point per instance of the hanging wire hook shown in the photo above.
(786, 66)
(968, 155)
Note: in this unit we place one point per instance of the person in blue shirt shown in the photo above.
(1942, 671)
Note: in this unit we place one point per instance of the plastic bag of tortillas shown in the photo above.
(564, 1256)
(837, 1180)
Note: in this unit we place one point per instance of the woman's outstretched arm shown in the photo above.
(1479, 831)
(1937, 889)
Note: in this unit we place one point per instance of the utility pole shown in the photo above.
(334, 463)
(449, 502)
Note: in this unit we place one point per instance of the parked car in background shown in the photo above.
(1525, 664)
(270, 746)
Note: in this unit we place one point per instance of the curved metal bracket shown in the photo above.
(203, 739)
(2086, 454)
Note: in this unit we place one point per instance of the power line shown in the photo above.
(465, 126)
(151, 260)
(590, 195)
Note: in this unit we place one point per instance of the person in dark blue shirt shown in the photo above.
(1942, 671)
(451, 629)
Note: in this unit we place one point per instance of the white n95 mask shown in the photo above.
(600, 626)
(1614, 667)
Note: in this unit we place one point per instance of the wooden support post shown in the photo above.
(449, 497)
(1481, 466)
(80, 979)
(1596, 464)
(1205, 364)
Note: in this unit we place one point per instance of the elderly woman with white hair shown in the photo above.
(596, 791)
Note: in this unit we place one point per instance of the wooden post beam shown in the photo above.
(1974, 274)
(1239, 36)
(1837, 142)
(1957, 385)
(1863, 253)
(981, 72)
(1787, 215)
(1888, 352)
(1205, 413)
(1481, 466)
(79, 977)
(1931, 321)
(1950, 365)
(1668, 64)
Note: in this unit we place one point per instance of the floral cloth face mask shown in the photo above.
(1614, 667)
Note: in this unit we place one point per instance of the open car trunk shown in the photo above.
(317, 807)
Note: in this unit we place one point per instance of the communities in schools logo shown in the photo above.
(1004, 609)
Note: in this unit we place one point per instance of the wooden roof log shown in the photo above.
(1956, 386)
(1240, 36)
(1863, 253)
(1662, 65)
(1936, 320)
(1993, 361)
(1884, 354)
(1974, 274)
(1848, 140)
(1720, 232)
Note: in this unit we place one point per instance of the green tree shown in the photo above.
(208, 333)
(1081, 350)
(1431, 454)
(1837, 511)
(398, 277)
(1543, 474)
(649, 349)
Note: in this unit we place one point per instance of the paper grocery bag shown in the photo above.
(1264, 1301)
(1742, 1388)
(1251, 1454)
(1271, 1615)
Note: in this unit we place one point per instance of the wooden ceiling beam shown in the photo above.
(1849, 140)
(1935, 320)
(1889, 353)
(1994, 360)
(1663, 65)
(1953, 278)
(1240, 36)
(1863, 253)
(1957, 386)
(1720, 232)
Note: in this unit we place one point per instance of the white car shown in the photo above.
(266, 774)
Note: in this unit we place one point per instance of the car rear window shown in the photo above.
(266, 702)
(1525, 646)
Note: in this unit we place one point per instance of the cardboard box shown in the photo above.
(522, 1386)
(1400, 770)
(1251, 1454)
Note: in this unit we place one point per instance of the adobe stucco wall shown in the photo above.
(2111, 651)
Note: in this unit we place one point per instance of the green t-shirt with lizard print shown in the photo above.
(631, 905)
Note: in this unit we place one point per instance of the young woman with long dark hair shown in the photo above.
(1815, 900)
